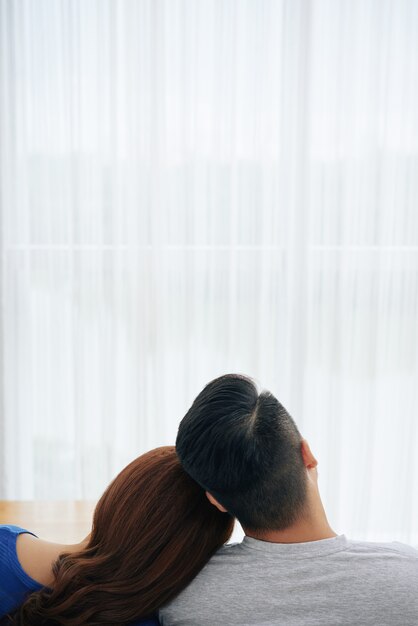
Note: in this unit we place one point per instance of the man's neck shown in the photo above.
(291, 536)
(313, 527)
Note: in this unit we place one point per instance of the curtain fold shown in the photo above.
(193, 188)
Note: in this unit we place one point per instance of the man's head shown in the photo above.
(245, 449)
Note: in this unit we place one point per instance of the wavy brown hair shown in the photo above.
(153, 530)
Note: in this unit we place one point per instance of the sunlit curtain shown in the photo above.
(190, 188)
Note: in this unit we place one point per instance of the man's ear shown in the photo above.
(214, 501)
(308, 458)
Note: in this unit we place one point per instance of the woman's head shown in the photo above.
(153, 530)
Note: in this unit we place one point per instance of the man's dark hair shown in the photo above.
(244, 448)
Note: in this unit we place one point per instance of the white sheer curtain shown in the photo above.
(196, 187)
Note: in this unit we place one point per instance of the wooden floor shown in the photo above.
(64, 522)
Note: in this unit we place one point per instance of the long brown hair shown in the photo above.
(153, 530)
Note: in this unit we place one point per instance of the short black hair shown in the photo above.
(244, 448)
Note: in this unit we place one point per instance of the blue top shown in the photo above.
(16, 585)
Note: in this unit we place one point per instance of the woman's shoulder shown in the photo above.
(37, 556)
(12, 538)
(9, 560)
(9, 534)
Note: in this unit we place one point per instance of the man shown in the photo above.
(291, 569)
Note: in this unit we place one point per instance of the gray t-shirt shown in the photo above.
(330, 582)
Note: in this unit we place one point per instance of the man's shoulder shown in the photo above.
(382, 563)
(234, 563)
(387, 547)
(233, 550)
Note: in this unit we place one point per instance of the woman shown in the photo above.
(153, 530)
